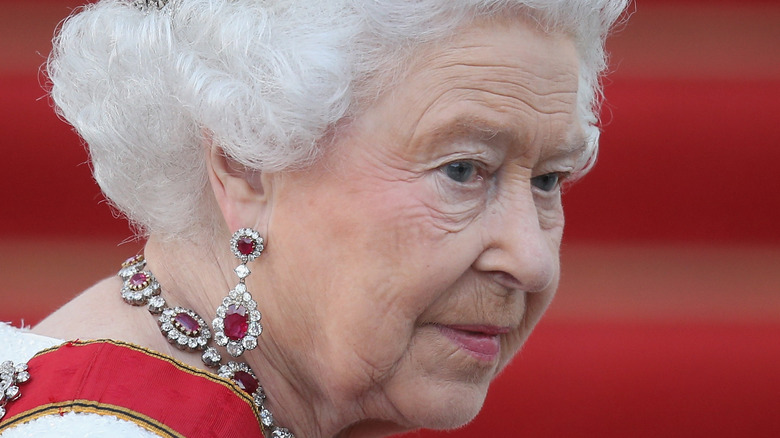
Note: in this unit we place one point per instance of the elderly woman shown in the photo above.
(381, 179)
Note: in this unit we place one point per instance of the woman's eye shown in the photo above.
(460, 171)
(547, 182)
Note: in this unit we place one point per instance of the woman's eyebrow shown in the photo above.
(476, 128)
(480, 129)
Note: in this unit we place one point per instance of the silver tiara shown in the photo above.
(146, 5)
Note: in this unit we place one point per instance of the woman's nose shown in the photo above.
(519, 252)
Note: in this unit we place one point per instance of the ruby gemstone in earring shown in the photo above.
(236, 322)
(246, 245)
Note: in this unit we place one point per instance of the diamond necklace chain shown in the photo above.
(188, 331)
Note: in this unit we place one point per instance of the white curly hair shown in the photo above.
(266, 79)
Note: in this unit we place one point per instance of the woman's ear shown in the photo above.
(241, 193)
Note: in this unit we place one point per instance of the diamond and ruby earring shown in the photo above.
(237, 324)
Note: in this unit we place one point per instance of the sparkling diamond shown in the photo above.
(236, 322)
(281, 432)
(249, 342)
(255, 329)
(166, 326)
(240, 288)
(2, 412)
(7, 366)
(221, 311)
(211, 357)
(218, 322)
(220, 339)
(182, 340)
(255, 315)
(12, 392)
(245, 381)
(242, 271)
(246, 297)
(20, 367)
(173, 335)
(235, 349)
(156, 304)
(22, 377)
(266, 417)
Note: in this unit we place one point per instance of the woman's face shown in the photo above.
(410, 264)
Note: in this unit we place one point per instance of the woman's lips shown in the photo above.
(481, 341)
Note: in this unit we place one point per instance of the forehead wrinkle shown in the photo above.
(550, 91)
(478, 127)
(530, 101)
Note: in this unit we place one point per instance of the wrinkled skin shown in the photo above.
(433, 222)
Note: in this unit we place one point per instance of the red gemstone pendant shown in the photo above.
(236, 322)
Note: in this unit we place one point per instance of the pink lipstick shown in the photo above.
(481, 341)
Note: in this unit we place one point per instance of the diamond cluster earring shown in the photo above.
(237, 324)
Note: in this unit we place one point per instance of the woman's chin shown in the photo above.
(444, 407)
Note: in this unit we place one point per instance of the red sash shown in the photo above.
(147, 388)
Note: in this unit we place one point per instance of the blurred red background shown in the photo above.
(667, 322)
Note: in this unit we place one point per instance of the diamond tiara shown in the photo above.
(146, 5)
